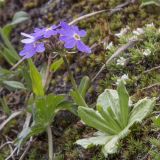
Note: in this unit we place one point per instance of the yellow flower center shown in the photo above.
(76, 36)
(49, 28)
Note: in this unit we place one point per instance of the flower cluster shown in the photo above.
(69, 35)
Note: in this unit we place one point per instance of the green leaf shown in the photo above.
(94, 119)
(56, 64)
(112, 145)
(109, 98)
(8, 55)
(84, 86)
(8, 47)
(141, 109)
(19, 17)
(45, 109)
(100, 139)
(123, 101)
(7, 29)
(110, 121)
(36, 78)
(105, 122)
(5, 106)
(14, 84)
(156, 121)
(68, 106)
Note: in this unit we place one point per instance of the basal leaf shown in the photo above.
(94, 119)
(110, 121)
(96, 140)
(123, 102)
(112, 145)
(109, 98)
(141, 109)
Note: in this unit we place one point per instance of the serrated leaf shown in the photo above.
(45, 110)
(14, 84)
(112, 145)
(94, 141)
(102, 122)
(36, 78)
(141, 109)
(56, 64)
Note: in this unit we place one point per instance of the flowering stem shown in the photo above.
(73, 81)
(50, 143)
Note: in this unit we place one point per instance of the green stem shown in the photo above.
(50, 143)
(73, 81)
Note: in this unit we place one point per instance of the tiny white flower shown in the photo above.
(147, 52)
(122, 78)
(122, 32)
(110, 45)
(121, 61)
(150, 25)
(138, 31)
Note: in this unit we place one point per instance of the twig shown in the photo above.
(86, 16)
(116, 54)
(148, 87)
(111, 11)
(119, 7)
(13, 115)
(26, 149)
(11, 154)
(3, 145)
(152, 69)
(11, 149)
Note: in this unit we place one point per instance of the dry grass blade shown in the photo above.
(13, 115)
(111, 11)
(116, 54)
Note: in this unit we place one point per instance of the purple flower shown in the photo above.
(71, 36)
(50, 31)
(33, 37)
(31, 49)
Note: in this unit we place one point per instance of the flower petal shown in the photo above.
(70, 43)
(26, 35)
(28, 40)
(49, 33)
(82, 47)
(82, 33)
(27, 53)
(40, 47)
(64, 38)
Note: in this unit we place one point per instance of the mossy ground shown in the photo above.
(66, 128)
